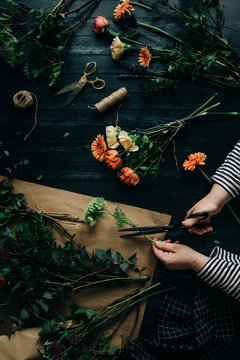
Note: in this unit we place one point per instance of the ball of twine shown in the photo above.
(23, 100)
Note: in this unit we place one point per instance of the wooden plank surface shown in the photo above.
(68, 163)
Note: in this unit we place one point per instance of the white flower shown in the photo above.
(126, 142)
(116, 48)
(111, 135)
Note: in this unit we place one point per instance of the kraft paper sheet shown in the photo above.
(23, 344)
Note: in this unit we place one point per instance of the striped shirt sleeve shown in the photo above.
(223, 271)
(228, 174)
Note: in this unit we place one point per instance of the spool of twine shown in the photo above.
(111, 100)
(23, 100)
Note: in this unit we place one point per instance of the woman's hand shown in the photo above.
(211, 203)
(177, 256)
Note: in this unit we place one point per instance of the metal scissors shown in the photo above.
(77, 86)
(159, 229)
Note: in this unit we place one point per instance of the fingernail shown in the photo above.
(158, 243)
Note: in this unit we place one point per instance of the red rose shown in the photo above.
(99, 23)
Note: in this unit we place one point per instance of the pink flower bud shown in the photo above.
(99, 23)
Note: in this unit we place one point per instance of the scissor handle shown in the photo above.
(203, 214)
(90, 68)
(95, 83)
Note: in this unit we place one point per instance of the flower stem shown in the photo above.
(202, 106)
(130, 223)
(228, 205)
(233, 213)
(143, 278)
(141, 5)
(170, 36)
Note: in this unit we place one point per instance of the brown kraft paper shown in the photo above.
(23, 344)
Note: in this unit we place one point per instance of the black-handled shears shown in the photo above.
(159, 229)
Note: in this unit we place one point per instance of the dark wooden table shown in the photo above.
(68, 163)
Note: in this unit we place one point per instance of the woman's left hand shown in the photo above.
(177, 256)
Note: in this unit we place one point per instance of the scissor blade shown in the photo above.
(147, 232)
(67, 88)
(161, 229)
(73, 94)
(164, 227)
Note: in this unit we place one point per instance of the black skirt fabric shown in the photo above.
(200, 331)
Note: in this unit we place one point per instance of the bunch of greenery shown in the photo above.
(38, 272)
(36, 38)
(84, 340)
(201, 53)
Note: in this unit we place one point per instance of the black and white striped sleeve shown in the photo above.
(223, 271)
(228, 174)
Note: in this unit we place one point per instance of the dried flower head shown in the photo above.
(117, 48)
(122, 9)
(127, 142)
(113, 160)
(93, 210)
(193, 160)
(99, 148)
(99, 24)
(144, 57)
(111, 135)
(129, 177)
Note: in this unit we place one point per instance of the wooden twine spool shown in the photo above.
(111, 100)
(23, 100)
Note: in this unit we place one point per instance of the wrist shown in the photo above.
(218, 196)
(198, 261)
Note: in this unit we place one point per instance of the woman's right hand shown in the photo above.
(212, 203)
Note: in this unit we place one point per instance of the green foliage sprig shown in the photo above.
(37, 38)
(38, 272)
(76, 342)
(95, 210)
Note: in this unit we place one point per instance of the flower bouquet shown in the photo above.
(182, 57)
(139, 152)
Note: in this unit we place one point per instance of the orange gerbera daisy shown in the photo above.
(129, 177)
(99, 148)
(193, 160)
(144, 57)
(122, 9)
(113, 161)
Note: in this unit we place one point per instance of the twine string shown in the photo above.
(23, 100)
(110, 100)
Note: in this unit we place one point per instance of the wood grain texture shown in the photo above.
(68, 163)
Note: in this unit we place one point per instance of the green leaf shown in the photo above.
(90, 313)
(43, 305)
(101, 253)
(61, 48)
(47, 295)
(145, 168)
(18, 284)
(39, 177)
(124, 266)
(67, 135)
(80, 311)
(24, 314)
(133, 258)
